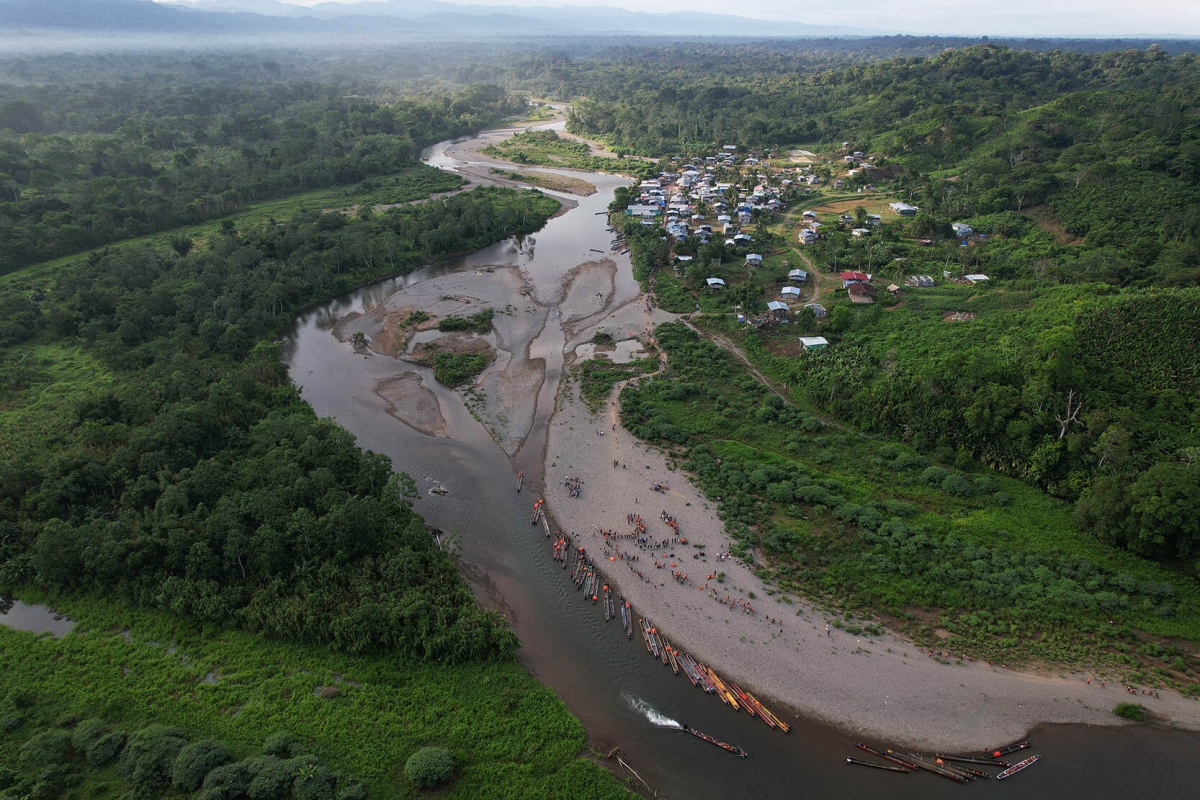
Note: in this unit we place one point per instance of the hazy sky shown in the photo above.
(1113, 18)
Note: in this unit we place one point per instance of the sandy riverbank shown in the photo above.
(878, 686)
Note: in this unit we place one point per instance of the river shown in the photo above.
(610, 683)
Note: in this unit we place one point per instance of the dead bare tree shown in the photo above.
(1071, 415)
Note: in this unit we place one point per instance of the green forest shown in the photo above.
(155, 453)
(1013, 462)
(87, 164)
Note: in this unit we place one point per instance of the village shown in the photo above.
(761, 237)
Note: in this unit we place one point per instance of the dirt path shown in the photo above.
(789, 224)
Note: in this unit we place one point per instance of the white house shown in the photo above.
(904, 209)
(716, 283)
(962, 229)
(814, 342)
(753, 260)
(975, 278)
(859, 233)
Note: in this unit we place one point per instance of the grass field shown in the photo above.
(547, 148)
(364, 716)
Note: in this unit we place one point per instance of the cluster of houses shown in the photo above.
(673, 198)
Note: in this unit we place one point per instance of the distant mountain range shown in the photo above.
(387, 17)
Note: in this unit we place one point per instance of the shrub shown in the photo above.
(150, 754)
(1135, 712)
(429, 766)
(51, 783)
(1002, 499)
(956, 485)
(455, 369)
(48, 747)
(11, 722)
(229, 781)
(313, 782)
(195, 761)
(602, 338)
(351, 790)
(907, 460)
(985, 485)
(280, 744)
(105, 749)
(933, 475)
(86, 734)
(271, 777)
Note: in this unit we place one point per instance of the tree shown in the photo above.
(429, 767)
(150, 755)
(195, 761)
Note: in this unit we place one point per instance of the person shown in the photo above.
(827, 633)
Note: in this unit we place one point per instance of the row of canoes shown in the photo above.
(706, 678)
(947, 766)
(587, 577)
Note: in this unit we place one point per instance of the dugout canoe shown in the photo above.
(1007, 749)
(737, 751)
(888, 767)
(888, 756)
(1015, 768)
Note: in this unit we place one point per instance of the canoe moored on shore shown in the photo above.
(1015, 768)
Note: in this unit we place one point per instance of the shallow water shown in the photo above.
(622, 696)
(33, 618)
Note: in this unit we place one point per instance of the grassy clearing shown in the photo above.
(547, 148)
(597, 376)
(40, 387)
(510, 736)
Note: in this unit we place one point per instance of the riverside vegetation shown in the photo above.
(1074, 372)
(154, 452)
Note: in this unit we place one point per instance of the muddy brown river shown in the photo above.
(622, 697)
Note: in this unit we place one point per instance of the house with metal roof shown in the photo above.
(716, 283)
(797, 275)
(814, 342)
(790, 292)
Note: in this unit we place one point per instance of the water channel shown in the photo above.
(609, 682)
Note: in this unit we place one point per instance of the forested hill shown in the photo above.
(85, 164)
(1107, 145)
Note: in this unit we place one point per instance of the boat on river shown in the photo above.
(873, 765)
(986, 762)
(1015, 768)
(1003, 751)
(737, 751)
